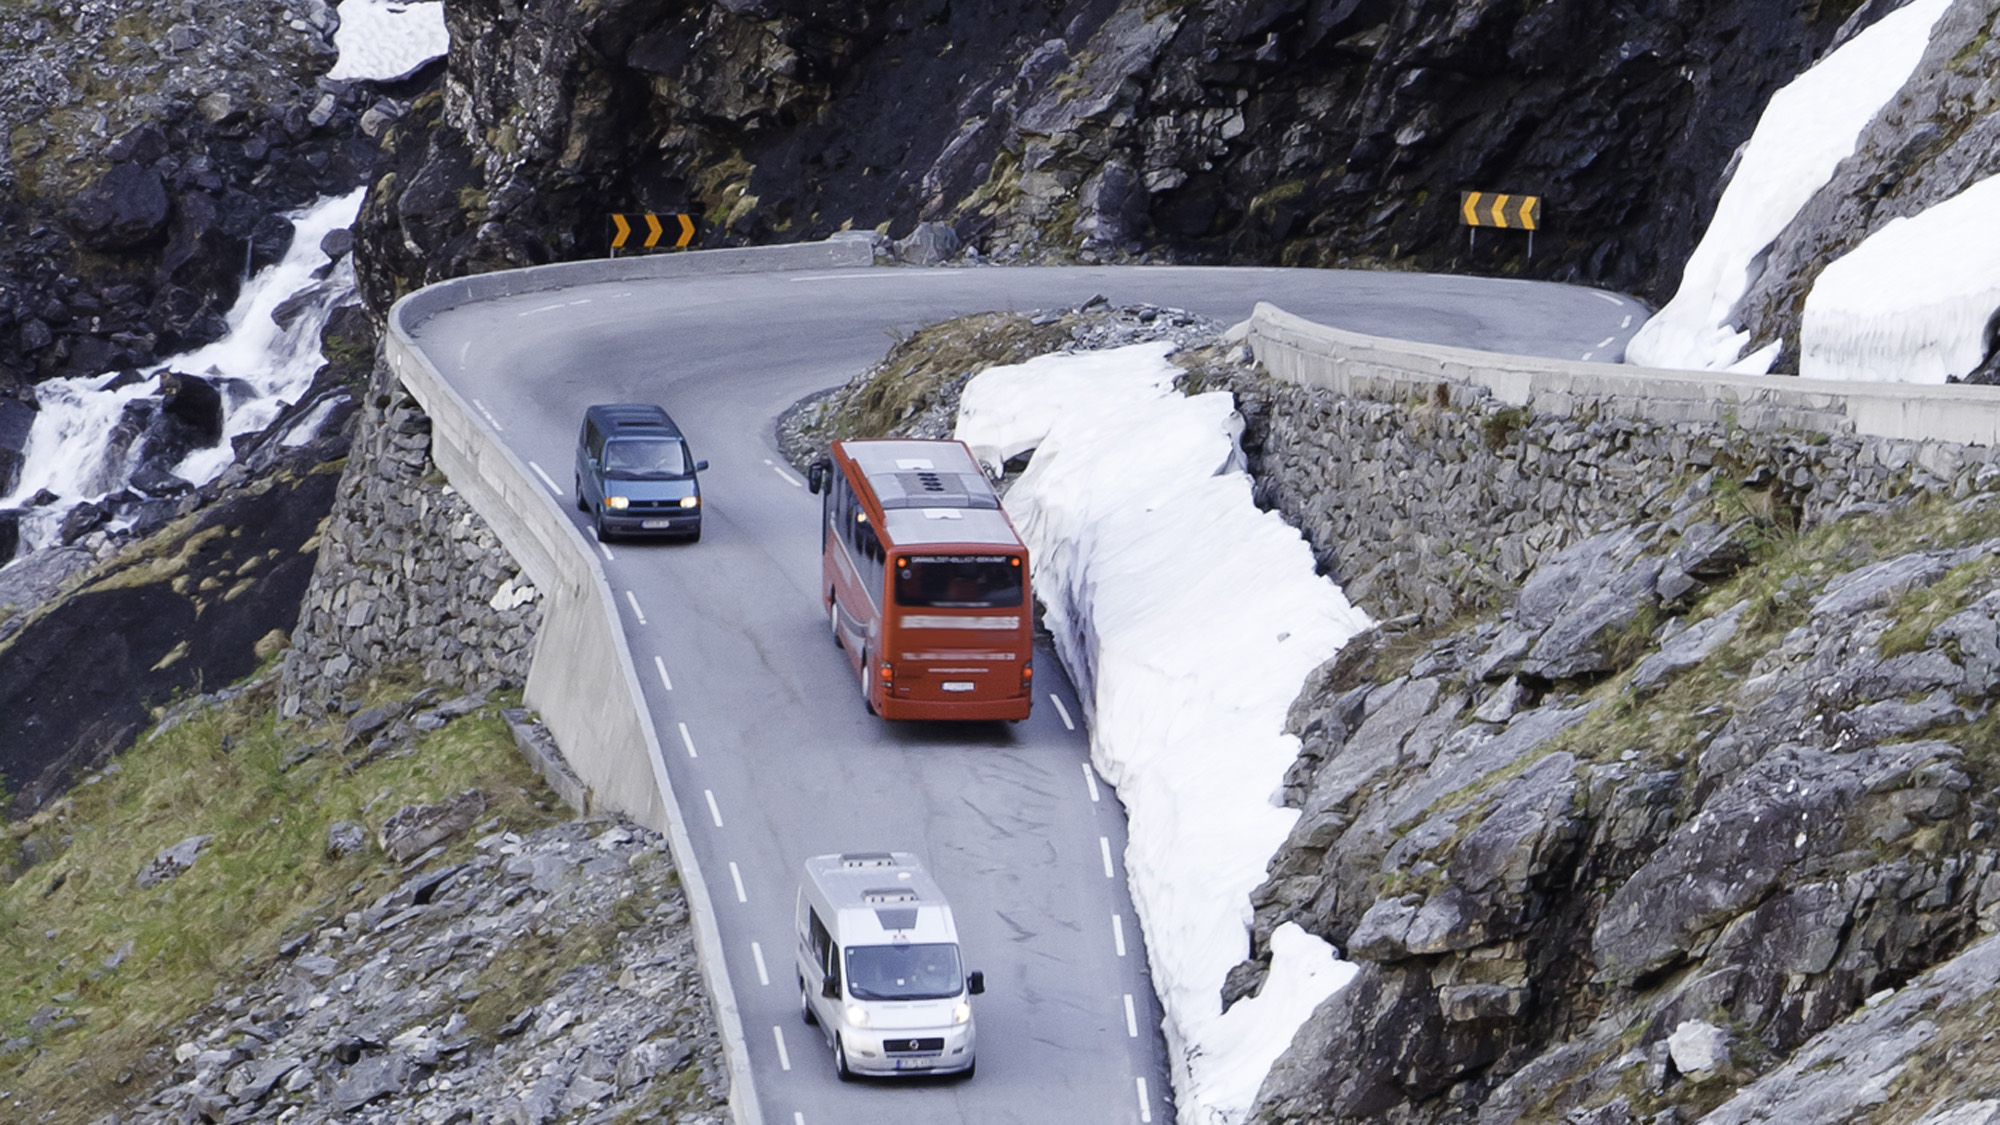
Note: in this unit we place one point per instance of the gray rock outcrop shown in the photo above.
(552, 976)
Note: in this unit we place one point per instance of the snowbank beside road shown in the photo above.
(1809, 127)
(1189, 620)
(1912, 303)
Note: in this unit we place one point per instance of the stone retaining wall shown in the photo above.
(408, 574)
(1431, 480)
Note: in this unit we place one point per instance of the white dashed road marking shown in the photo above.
(664, 679)
(1118, 933)
(687, 740)
(553, 486)
(1145, 1102)
(757, 952)
(1068, 723)
(636, 611)
(1104, 845)
(716, 813)
(784, 1059)
(1090, 780)
(1131, 1019)
(1608, 297)
(606, 550)
(490, 419)
(735, 872)
(780, 470)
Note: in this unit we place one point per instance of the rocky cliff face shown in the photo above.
(1612, 843)
(1315, 132)
(153, 147)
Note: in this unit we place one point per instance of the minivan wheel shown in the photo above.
(603, 533)
(581, 505)
(806, 1005)
(840, 1060)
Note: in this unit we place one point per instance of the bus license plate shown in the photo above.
(957, 685)
(651, 525)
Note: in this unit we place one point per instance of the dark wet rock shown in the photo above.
(80, 521)
(127, 206)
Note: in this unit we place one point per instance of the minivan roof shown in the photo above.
(881, 897)
(624, 419)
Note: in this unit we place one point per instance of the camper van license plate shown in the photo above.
(957, 685)
(913, 1064)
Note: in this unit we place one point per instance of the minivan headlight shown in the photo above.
(857, 1015)
(690, 501)
(961, 1012)
(618, 502)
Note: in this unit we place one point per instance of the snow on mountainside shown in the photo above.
(1853, 241)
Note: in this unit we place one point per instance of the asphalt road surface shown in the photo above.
(770, 750)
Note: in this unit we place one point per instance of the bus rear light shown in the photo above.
(1027, 674)
(887, 672)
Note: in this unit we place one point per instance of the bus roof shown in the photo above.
(922, 474)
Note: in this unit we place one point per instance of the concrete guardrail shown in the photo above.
(1349, 363)
(582, 680)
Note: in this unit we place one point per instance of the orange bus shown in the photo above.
(925, 581)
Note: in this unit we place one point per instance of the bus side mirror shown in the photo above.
(816, 477)
(975, 983)
(830, 988)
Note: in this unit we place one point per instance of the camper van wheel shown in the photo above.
(840, 1060)
(806, 1005)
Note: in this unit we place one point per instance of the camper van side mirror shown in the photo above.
(830, 988)
(975, 983)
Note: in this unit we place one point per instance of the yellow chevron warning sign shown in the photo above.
(1498, 209)
(655, 226)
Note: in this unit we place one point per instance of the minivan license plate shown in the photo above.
(651, 524)
(957, 685)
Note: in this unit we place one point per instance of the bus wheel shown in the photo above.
(867, 687)
(833, 620)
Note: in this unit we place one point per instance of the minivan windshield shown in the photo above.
(927, 971)
(958, 581)
(645, 457)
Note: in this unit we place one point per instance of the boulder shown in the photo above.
(126, 207)
(415, 829)
(172, 862)
(929, 244)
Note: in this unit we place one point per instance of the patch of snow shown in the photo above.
(1913, 302)
(1189, 620)
(1810, 126)
(385, 40)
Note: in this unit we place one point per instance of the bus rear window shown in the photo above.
(959, 581)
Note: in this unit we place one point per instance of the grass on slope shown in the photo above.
(96, 972)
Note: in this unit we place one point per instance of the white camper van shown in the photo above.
(878, 966)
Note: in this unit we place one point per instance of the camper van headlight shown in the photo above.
(961, 1012)
(618, 502)
(857, 1016)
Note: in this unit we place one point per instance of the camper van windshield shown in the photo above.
(904, 972)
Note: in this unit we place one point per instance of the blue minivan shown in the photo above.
(634, 474)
